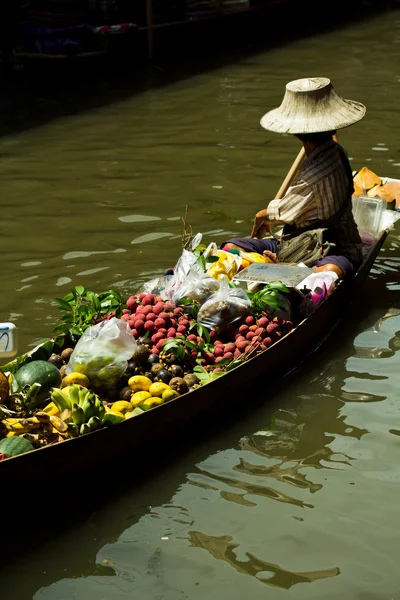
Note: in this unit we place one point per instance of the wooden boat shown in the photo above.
(157, 428)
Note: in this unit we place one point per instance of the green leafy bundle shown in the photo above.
(267, 297)
(83, 308)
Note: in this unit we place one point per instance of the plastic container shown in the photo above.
(368, 214)
(8, 340)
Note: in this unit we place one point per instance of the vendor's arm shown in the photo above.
(295, 206)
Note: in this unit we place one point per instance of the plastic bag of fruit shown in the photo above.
(227, 305)
(102, 354)
(189, 281)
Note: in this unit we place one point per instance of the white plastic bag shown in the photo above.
(189, 281)
(224, 307)
(325, 280)
(102, 354)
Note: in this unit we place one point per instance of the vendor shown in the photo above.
(321, 193)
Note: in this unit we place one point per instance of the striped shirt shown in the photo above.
(318, 192)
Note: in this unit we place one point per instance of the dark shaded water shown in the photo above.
(299, 498)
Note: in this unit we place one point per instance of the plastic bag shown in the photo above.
(196, 286)
(324, 281)
(155, 286)
(224, 307)
(189, 281)
(102, 354)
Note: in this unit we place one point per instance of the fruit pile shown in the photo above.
(156, 322)
(159, 321)
(41, 404)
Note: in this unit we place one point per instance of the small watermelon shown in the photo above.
(42, 372)
(12, 446)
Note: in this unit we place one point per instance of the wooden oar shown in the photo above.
(300, 158)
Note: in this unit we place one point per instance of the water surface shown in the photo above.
(299, 498)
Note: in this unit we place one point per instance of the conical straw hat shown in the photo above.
(311, 105)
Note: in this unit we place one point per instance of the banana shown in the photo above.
(94, 423)
(99, 408)
(73, 430)
(83, 394)
(60, 399)
(88, 409)
(84, 428)
(22, 425)
(58, 424)
(74, 394)
(78, 416)
(42, 417)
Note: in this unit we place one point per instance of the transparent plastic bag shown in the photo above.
(196, 286)
(189, 281)
(102, 354)
(155, 286)
(224, 307)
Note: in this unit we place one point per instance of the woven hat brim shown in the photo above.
(348, 113)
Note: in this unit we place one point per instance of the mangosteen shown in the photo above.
(153, 359)
(176, 370)
(164, 376)
(134, 367)
(66, 354)
(156, 368)
(149, 375)
(191, 379)
(179, 385)
(63, 371)
(144, 340)
(125, 393)
(56, 360)
(170, 359)
(141, 353)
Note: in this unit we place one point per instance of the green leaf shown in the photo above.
(278, 285)
(63, 304)
(234, 364)
(180, 353)
(80, 290)
(169, 344)
(206, 335)
(61, 329)
(190, 345)
(223, 362)
(212, 259)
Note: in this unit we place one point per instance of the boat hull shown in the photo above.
(160, 427)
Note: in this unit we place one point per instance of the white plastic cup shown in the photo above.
(8, 340)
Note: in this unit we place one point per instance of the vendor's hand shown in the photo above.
(259, 220)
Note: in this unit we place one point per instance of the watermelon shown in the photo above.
(12, 446)
(42, 372)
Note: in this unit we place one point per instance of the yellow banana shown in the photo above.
(58, 424)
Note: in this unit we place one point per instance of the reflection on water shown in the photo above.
(303, 489)
(222, 548)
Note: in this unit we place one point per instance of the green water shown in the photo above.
(298, 500)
